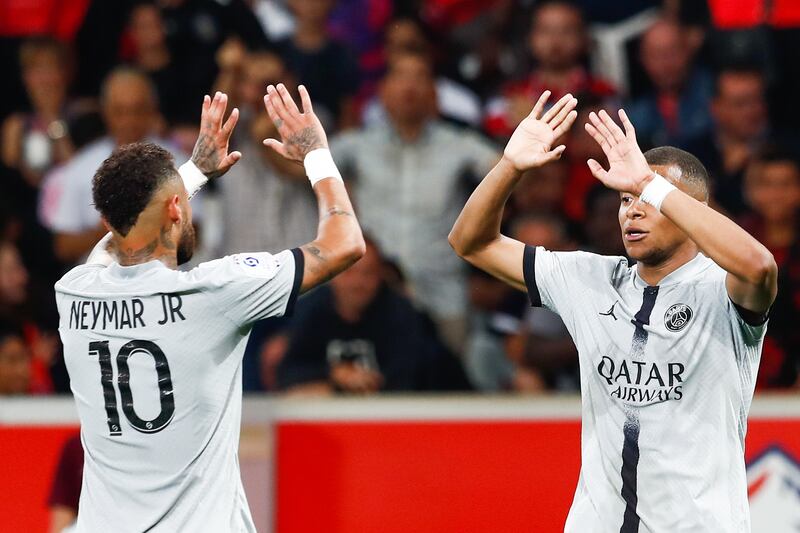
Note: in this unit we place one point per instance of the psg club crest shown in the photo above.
(677, 317)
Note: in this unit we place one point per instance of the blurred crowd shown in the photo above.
(418, 98)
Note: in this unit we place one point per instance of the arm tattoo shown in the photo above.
(205, 155)
(319, 266)
(337, 211)
(304, 141)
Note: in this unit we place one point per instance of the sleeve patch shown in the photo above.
(257, 265)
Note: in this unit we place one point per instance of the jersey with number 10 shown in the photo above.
(154, 358)
(667, 377)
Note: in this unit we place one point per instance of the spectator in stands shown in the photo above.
(454, 101)
(195, 31)
(540, 345)
(18, 312)
(558, 42)
(65, 492)
(772, 189)
(322, 64)
(739, 110)
(15, 363)
(677, 109)
(410, 178)
(358, 336)
(130, 112)
(580, 148)
(35, 142)
(152, 55)
(263, 186)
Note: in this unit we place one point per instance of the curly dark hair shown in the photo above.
(126, 181)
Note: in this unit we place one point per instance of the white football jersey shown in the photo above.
(154, 358)
(667, 378)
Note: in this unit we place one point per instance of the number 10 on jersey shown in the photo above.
(166, 398)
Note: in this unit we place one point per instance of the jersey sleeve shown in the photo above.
(248, 287)
(557, 280)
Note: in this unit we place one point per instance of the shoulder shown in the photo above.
(78, 279)
(236, 267)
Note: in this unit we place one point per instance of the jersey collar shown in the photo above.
(125, 272)
(683, 273)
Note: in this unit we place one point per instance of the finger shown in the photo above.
(227, 128)
(556, 120)
(230, 160)
(288, 101)
(597, 170)
(536, 112)
(557, 107)
(612, 126)
(218, 110)
(554, 154)
(630, 132)
(566, 124)
(269, 103)
(597, 136)
(276, 145)
(601, 128)
(305, 98)
(277, 103)
(204, 111)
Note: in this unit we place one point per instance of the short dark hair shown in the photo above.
(569, 4)
(42, 43)
(776, 152)
(693, 173)
(741, 69)
(126, 181)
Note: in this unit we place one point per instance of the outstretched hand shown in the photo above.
(531, 143)
(628, 170)
(210, 152)
(301, 132)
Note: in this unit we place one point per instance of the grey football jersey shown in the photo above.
(667, 378)
(154, 358)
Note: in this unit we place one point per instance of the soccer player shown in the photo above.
(668, 348)
(155, 355)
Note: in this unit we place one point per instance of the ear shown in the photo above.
(174, 210)
(105, 223)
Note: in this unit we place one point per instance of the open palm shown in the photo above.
(531, 143)
(628, 169)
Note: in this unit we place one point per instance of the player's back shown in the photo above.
(154, 357)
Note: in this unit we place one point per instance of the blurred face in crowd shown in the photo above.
(649, 236)
(15, 366)
(773, 190)
(13, 276)
(356, 287)
(558, 38)
(147, 27)
(311, 11)
(259, 70)
(408, 90)
(542, 189)
(541, 232)
(44, 73)
(129, 108)
(740, 107)
(404, 35)
(666, 56)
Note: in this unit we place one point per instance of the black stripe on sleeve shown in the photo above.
(751, 318)
(299, 266)
(529, 273)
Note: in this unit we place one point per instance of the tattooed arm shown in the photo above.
(339, 241)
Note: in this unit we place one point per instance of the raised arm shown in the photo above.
(476, 234)
(339, 241)
(210, 160)
(752, 271)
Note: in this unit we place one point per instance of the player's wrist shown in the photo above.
(193, 178)
(655, 189)
(319, 165)
(507, 165)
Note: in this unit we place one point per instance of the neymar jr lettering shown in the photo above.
(122, 314)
